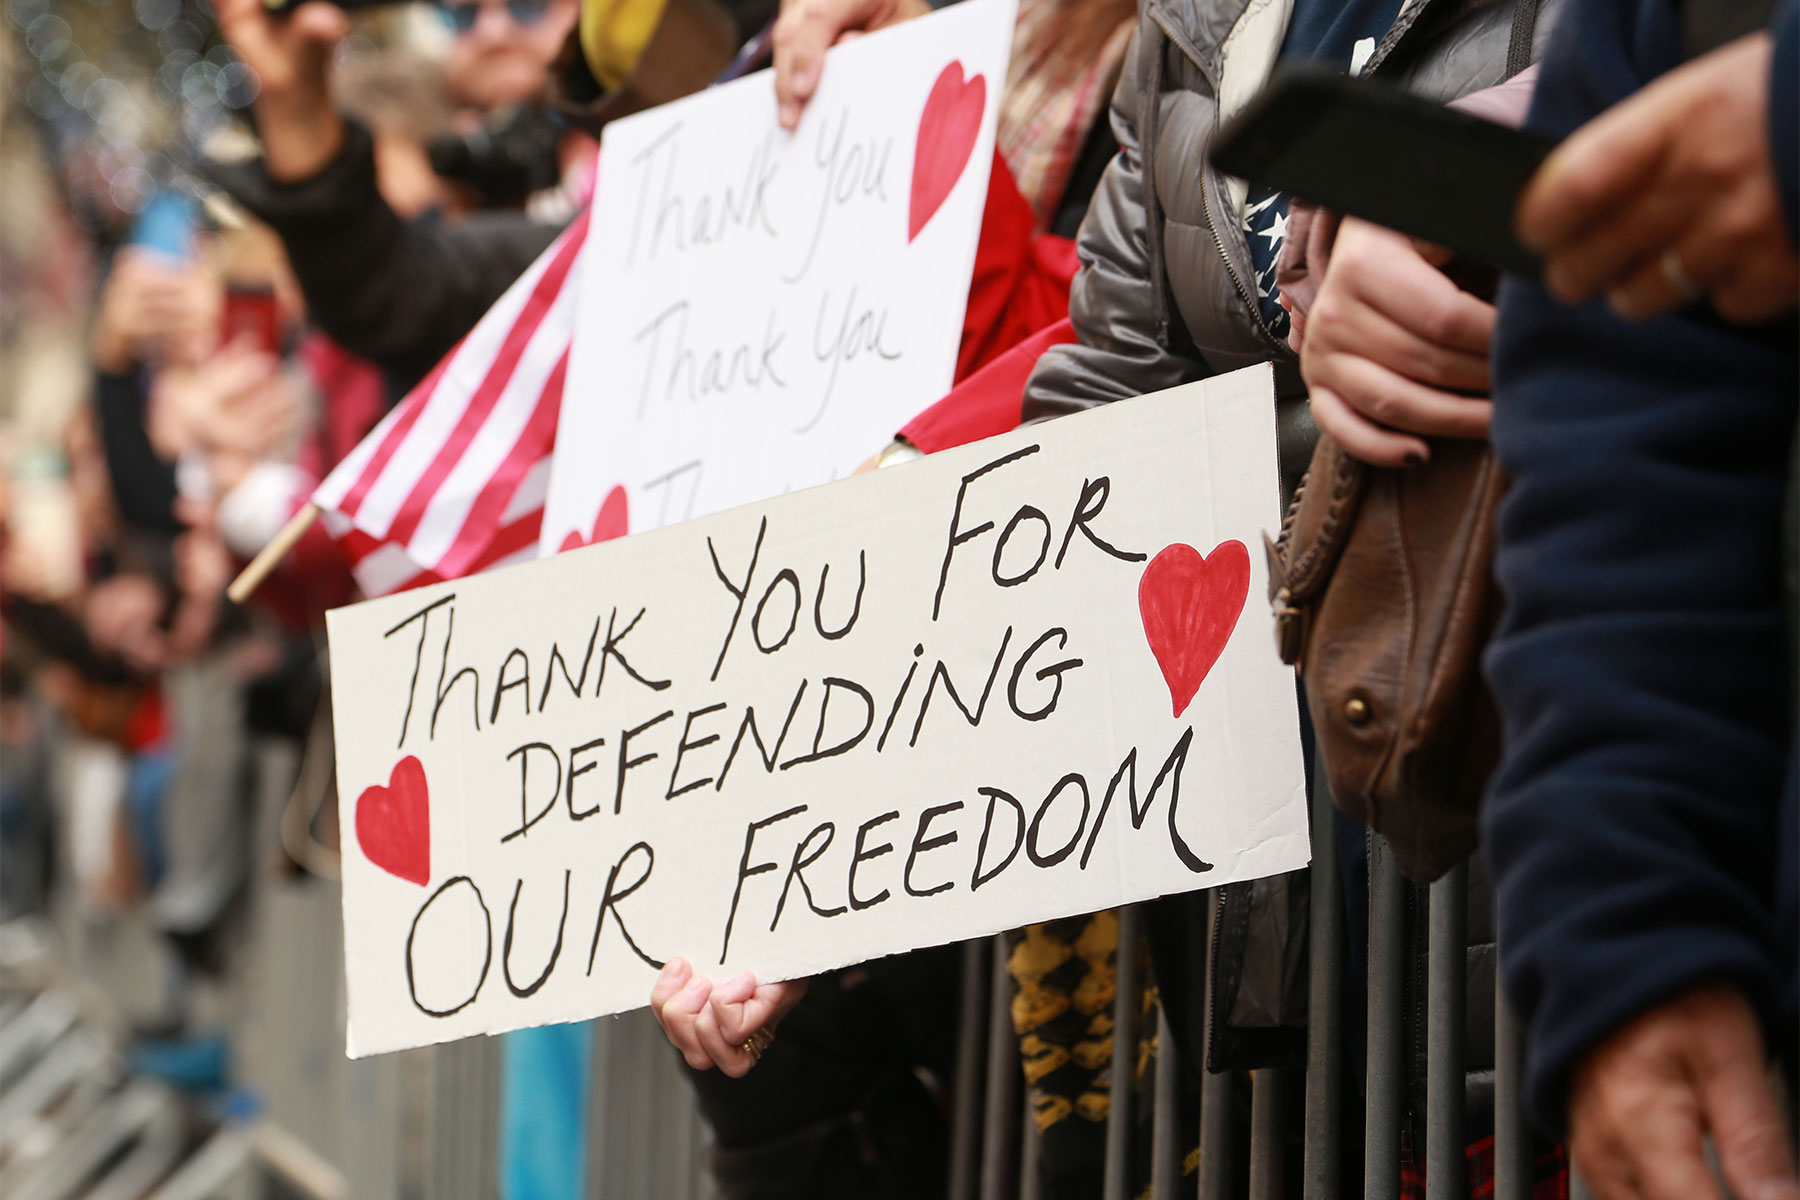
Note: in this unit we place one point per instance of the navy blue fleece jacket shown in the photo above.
(1641, 828)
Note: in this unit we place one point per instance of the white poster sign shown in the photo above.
(1023, 679)
(760, 311)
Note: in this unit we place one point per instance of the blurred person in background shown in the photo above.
(402, 292)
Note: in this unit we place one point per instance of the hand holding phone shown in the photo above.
(289, 47)
(1373, 151)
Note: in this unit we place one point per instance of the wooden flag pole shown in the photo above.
(270, 556)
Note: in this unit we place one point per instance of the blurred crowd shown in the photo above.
(234, 236)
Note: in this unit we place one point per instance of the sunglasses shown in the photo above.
(462, 17)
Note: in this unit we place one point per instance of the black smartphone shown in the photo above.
(1373, 151)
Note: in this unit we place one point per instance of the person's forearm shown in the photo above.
(301, 136)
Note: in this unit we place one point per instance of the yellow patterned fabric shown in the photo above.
(1065, 975)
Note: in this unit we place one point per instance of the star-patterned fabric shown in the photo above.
(1265, 228)
(1340, 32)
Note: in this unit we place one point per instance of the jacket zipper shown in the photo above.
(1231, 272)
(1213, 1016)
(1188, 51)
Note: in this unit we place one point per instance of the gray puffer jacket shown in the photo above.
(1164, 293)
(1164, 297)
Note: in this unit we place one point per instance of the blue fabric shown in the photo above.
(145, 783)
(1784, 111)
(1640, 666)
(1320, 31)
(544, 1083)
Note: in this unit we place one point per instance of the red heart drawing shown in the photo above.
(947, 132)
(614, 521)
(1190, 604)
(393, 823)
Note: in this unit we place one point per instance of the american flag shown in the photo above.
(453, 480)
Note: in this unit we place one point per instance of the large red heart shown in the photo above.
(393, 823)
(1190, 604)
(614, 521)
(947, 131)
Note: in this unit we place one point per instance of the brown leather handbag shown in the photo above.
(1384, 597)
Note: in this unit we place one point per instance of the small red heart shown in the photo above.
(1190, 604)
(614, 520)
(947, 131)
(393, 823)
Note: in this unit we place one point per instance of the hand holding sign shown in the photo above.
(806, 30)
(758, 308)
(916, 706)
(710, 1025)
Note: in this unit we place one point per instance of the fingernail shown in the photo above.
(790, 115)
(695, 988)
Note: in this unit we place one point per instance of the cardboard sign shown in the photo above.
(760, 310)
(1023, 679)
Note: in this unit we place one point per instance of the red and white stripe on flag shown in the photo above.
(453, 480)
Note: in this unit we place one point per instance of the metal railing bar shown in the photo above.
(1383, 1080)
(1031, 1179)
(1127, 999)
(1165, 1138)
(1446, 1032)
(1215, 1097)
(1512, 1139)
(1265, 1134)
(971, 1051)
(1324, 1003)
(999, 1152)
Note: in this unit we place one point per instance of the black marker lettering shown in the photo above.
(610, 649)
(995, 795)
(1171, 770)
(1025, 512)
(512, 914)
(412, 987)
(748, 725)
(626, 764)
(738, 593)
(803, 860)
(684, 745)
(849, 743)
(557, 660)
(577, 771)
(423, 616)
(615, 895)
(745, 870)
(444, 689)
(887, 727)
(1037, 823)
(862, 581)
(523, 754)
(1057, 669)
(940, 672)
(862, 856)
(793, 581)
(1094, 491)
(502, 686)
(958, 537)
(921, 844)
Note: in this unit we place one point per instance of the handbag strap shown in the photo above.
(1524, 32)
